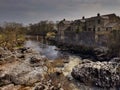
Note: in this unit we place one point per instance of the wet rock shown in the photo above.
(116, 59)
(103, 74)
(102, 54)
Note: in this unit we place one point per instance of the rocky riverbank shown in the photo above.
(26, 69)
(102, 74)
(93, 52)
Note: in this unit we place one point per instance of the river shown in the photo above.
(53, 53)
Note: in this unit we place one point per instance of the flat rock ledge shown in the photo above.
(25, 68)
(101, 74)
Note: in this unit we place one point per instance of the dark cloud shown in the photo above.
(30, 11)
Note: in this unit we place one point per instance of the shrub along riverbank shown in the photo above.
(12, 35)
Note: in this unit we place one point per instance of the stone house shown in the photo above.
(77, 25)
(102, 22)
(102, 25)
(73, 32)
(62, 26)
(93, 30)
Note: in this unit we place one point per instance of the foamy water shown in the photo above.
(47, 50)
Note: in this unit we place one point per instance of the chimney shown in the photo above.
(83, 17)
(64, 19)
(98, 14)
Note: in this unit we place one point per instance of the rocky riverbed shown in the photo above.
(28, 68)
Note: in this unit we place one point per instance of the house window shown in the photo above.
(94, 28)
(98, 29)
(89, 29)
(106, 29)
(99, 21)
(109, 28)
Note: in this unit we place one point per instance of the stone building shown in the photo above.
(73, 32)
(102, 22)
(77, 25)
(62, 26)
(93, 30)
(102, 25)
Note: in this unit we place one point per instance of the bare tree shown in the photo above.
(11, 34)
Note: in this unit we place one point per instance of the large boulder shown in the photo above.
(103, 74)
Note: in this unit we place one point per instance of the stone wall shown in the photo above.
(86, 38)
(82, 38)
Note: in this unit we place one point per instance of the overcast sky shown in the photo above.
(32, 11)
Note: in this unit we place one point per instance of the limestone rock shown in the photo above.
(103, 74)
(10, 87)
